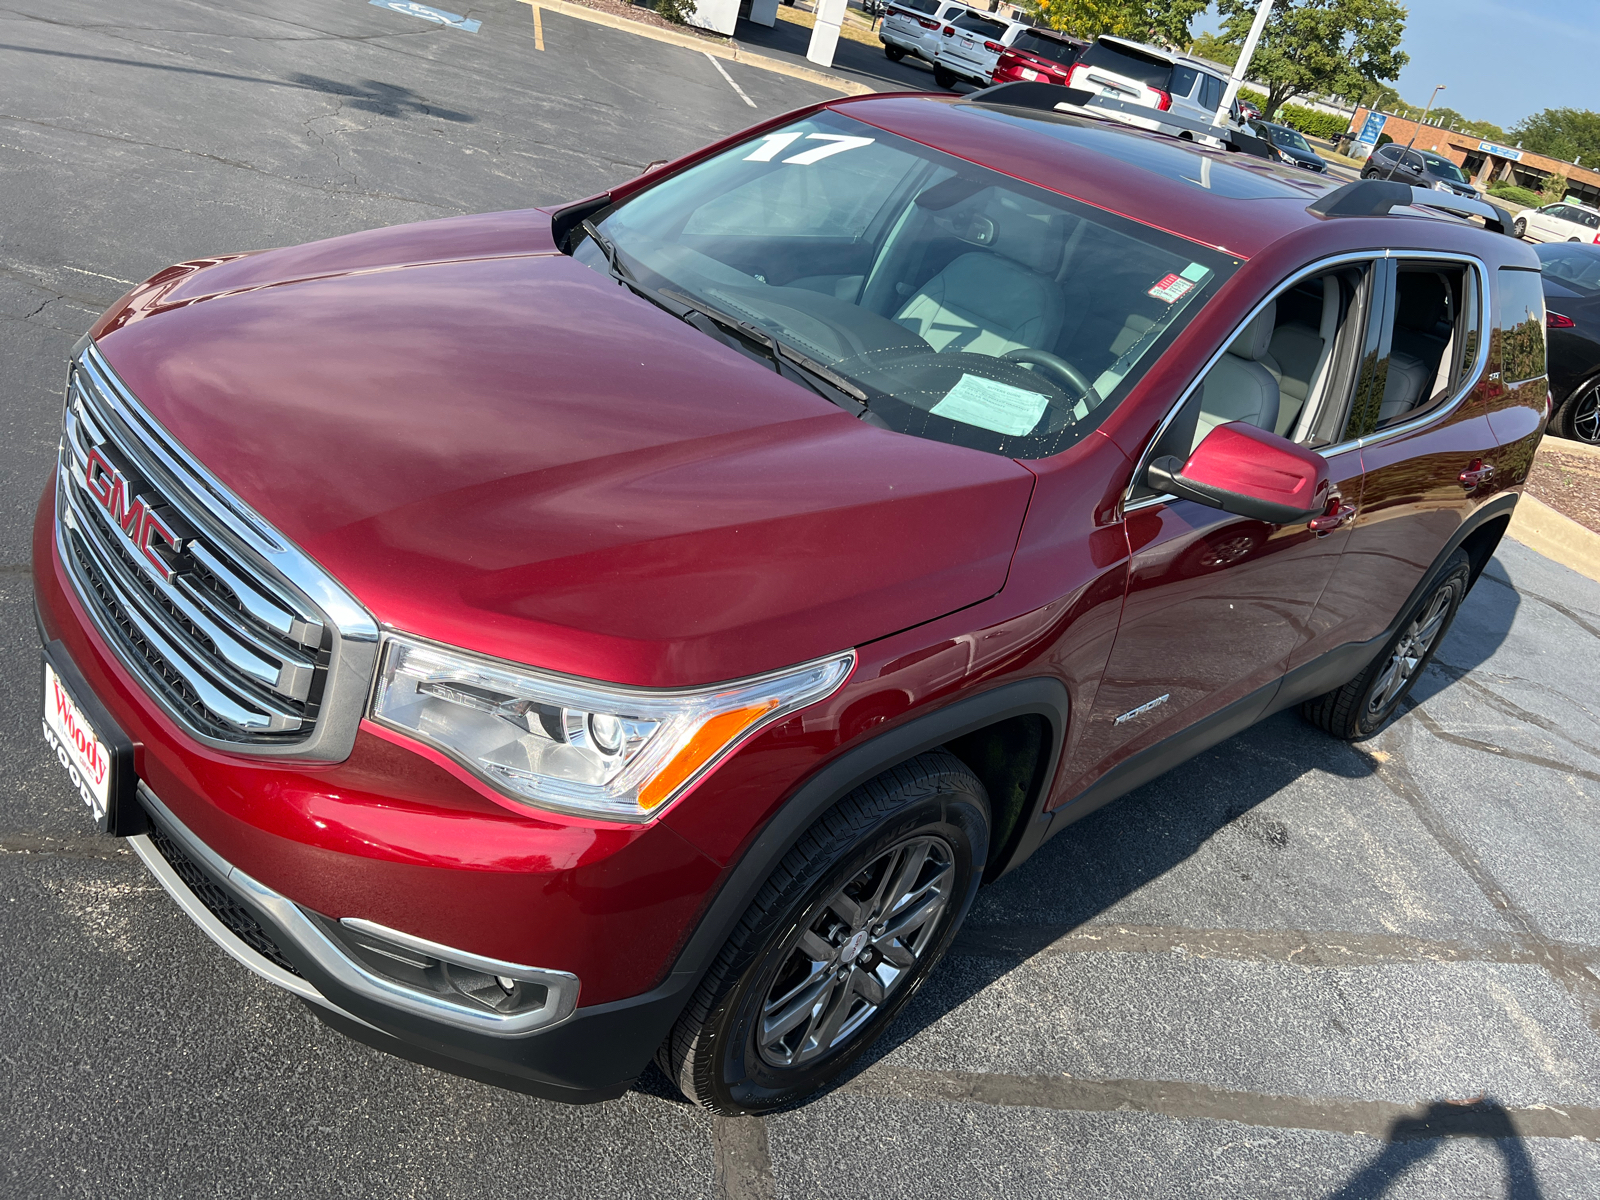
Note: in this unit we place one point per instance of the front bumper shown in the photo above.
(551, 1049)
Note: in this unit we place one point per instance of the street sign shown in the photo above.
(1371, 128)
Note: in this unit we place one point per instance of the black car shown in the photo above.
(1292, 148)
(1422, 168)
(1572, 317)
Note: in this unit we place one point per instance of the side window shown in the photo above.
(1182, 80)
(1428, 342)
(1210, 92)
(1289, 370)
(1521, 326)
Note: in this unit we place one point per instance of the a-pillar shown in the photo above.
(825, 35)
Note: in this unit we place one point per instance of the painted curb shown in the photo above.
(729, 50)
(1556, 536)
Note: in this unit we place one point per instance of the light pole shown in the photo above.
(1416, 128)
(1240, 67)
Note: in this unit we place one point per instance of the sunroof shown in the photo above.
(1218, 174)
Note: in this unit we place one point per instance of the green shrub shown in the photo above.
(1330, 126)
(676, 11)
(1515, 194)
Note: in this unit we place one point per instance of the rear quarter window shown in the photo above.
(1521, 325)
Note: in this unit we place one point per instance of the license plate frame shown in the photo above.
(89, 744)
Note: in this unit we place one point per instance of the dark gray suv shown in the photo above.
(1420, 167)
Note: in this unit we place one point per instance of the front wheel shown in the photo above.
(944, 77)
(1519, 228)
(840, 937)
(1364, 705)
(895, 53)
(1579, 417)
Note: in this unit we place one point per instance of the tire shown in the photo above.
(944, 77)
(1578, 417)
(808, 951)
(895, 53)
(1363, 706)
(1519, 228)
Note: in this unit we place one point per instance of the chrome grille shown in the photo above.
(216, 614)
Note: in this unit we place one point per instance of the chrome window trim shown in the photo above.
(353, 656)
(292, 925)
(1337, 260)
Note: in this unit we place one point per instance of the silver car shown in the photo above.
(1163, 80)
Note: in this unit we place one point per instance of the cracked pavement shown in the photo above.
(1291, 967)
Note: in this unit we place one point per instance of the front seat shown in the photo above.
(1239, 387)
(1000, 298)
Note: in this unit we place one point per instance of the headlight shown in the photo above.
(593, 749)
(1440, 185)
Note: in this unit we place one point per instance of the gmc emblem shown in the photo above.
(129, 513)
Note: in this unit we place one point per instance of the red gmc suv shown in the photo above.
(549, 640)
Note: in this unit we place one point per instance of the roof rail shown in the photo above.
(1052, 97)
(1376, 197)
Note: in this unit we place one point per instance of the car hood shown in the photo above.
(514, 454)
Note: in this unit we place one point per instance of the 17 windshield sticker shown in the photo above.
(992, 405)
(774, 144)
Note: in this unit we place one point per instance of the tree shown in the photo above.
(1218, 50)
(1320, 46)
(1563, 133)
(1164, 22)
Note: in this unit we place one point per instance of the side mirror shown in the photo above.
(1250, 472)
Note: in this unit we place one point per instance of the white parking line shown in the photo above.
(731, 83)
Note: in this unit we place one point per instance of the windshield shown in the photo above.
(1444, 167)
(973, 23)
(1284, 136)
(956, 303)
(1577, 267)
(1046, 47)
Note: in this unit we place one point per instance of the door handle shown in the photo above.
(1336, 516)
(1477, 472)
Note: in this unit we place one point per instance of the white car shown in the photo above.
(1568, 221)
(1165, 80)
(970, 46)
(914, 27)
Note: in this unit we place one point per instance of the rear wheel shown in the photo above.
(895, 53)
(1519, 228)
(1579, 417)
(944, 76)
(1364, 705)
(839, 938)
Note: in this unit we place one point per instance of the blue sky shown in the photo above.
(1498, 59)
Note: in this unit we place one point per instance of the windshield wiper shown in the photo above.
(778, 350)
(676, 303)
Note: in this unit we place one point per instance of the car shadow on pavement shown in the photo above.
(381, 99)
(1413, 1139)
(1093, 865)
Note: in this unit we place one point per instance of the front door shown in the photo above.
(1218, 606)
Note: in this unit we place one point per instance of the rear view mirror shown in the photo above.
(1250, 472)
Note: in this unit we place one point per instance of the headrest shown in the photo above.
(1033, 236)
(1255, 339)
(1420, 301)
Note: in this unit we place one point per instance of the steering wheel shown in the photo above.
(1053, 366)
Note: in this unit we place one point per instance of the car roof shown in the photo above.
(1235, 202)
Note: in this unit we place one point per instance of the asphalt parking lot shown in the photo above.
(1289, 968)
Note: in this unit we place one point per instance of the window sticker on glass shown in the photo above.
(773, 144)
(992, 405)
(1173, 288)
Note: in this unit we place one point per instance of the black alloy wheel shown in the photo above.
(895, 53)
(838, 940)
(944, 77)
(1579, 417)
(1363, 706)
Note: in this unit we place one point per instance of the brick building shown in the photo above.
(1486, 162)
